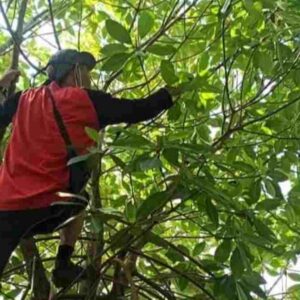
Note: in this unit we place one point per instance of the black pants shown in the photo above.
(15, 225)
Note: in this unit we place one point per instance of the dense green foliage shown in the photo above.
(195, 195)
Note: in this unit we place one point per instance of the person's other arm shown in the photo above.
(9, 106)
(111, 110)
(7, 79)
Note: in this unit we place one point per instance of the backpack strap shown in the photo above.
(79, 174)
(60, 123)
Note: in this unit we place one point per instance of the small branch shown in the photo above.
(137, 10)
(17, 39)
(176, 271)
(53, 25)
(155, 286)
(40, 284)
(80, 26)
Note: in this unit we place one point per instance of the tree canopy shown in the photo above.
(192, 204)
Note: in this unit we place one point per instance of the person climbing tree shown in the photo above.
(48, 129)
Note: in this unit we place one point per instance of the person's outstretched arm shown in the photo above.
(111, 110)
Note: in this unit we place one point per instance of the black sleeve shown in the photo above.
(112, 110)
(8, 108)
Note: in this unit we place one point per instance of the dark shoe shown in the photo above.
(63, 276)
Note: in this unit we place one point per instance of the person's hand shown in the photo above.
(174, 91)
(9, 77)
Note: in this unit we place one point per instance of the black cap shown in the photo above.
(64, 60)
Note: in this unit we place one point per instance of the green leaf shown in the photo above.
(270, 188)
(279, 175)
(79, 158)
(121, 238)
(109, 210)
(15, 294)
(241, 294)
(151, 163)
(97, 225)
(152, 203)
(171, 155)
(236, 263)
(253, 279)
(157, 240)
(225, 287)
(174, 112)
(244, 167)
(268, 204)
(117, 31)
(225, 7)
(145, 24)
(115, 62)
(130, 212)
(118, 161)
(256, 240)
(264, 61)
(173, 251)
(107, 213)
(296, 76)
(111, 49)
(92, 133)
(248, 4)
(199, 249)
(182, 283)
(161, 50)
(174, 255)
(201, 83)
(133, 141)
(195, 148)
(294, 290)
(203, 61)
(168, 72)
(223, 251)
(255, 191)
(245, 255)
(212, 212)
(269, 4)
(294, 276)
(263, 230)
